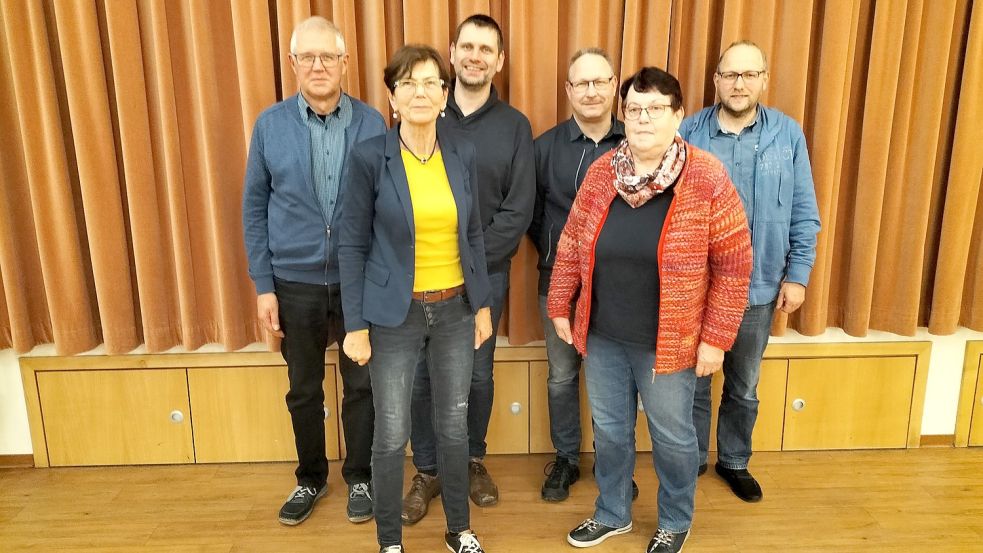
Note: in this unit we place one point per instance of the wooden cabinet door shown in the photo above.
(240, 414)
(848, 402)
(767, 435)
(116, 417)
(508, 430)
(976, 423)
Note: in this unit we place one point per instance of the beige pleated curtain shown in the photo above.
(125, 125)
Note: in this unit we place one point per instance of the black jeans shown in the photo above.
(311, 318)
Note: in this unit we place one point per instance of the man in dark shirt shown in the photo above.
(506, 190)
(563, 155)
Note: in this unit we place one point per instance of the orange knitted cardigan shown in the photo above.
(704, 260)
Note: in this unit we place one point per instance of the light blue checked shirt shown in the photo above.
(327, 149)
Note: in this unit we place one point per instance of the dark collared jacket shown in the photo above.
(563, 155)
(377, 242)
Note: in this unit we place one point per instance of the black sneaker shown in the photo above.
(464, 542)
(560, 475)
(360, 502)
(590, 532)
(392, 549)
(665, 541)
(741, 483)
(300, 504)
(701, 470)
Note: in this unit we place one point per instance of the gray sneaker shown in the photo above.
(300, 504)
(665, 541)
(360, 502)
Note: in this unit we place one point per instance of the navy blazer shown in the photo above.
(376, 243)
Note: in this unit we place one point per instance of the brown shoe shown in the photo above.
(417, 500)
(483, 491)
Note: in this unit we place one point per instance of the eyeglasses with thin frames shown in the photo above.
(730, 77)
(328, 61)
(430, 86)
(580, 87)
(655, 111)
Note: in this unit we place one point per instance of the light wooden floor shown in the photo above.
(879, 501)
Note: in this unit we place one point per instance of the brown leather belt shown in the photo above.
(429, 296)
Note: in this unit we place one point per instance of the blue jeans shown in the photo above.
(479, 402)
(442, 333)
(739, 403)
(563, 384)
(617, 374)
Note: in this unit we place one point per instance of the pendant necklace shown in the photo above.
(423, 160)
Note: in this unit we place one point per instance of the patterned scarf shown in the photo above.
(638, 189)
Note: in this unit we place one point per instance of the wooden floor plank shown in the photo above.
(883, 501)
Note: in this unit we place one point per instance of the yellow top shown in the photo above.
(438, 256)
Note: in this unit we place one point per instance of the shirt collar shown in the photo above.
(306, 111)
(573, 129)
(715, 124)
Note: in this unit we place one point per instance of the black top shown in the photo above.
(563, 155)
(506, 185)
(625, 292)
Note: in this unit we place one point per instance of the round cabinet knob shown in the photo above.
(327, 413)
(798, 404)
(516, 408)
(177, 416)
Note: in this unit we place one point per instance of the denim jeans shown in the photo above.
(617, 374)
(481, 397)
(739, 403)
(443, 333)
(563, 384)
(311, 318)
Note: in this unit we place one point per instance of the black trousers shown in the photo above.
(311, 319)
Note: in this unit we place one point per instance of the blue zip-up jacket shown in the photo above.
(286, 233)
(784, 219)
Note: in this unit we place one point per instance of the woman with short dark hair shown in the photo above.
(657, 253)
(414, 283)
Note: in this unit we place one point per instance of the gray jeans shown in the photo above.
(443, 333)
(563, 384)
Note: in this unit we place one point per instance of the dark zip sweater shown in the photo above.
(502, 138)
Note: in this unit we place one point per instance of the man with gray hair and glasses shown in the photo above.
(296, 158)
(764, 152)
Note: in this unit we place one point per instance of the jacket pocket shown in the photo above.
(771, 248)
(376, 272)
(786, 184)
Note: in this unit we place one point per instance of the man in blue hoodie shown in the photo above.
(765, 154)
(296, 158)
